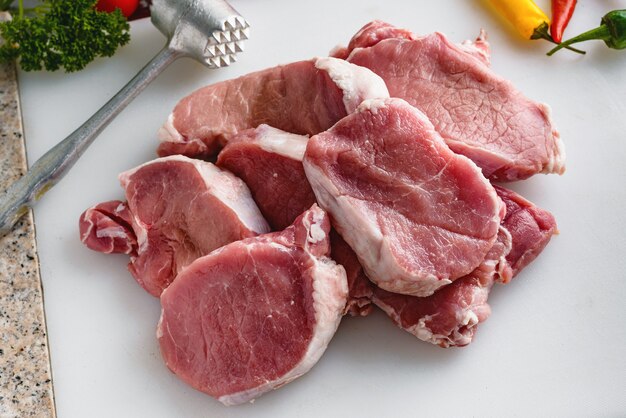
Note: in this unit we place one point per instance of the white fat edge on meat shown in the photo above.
(159, 329)
(314, 226)
(399, 280)
(372, 105)
(142, 235)
(502, 270)
(362, 235)
(112, 232)
(466, 318)
(233, 192)
(367, 240)
(419, 330)
(330, 294)
(417, 284)
(87, 219)
(120, 208)
(556, 155)
(347, 220)
(168, 133)
(357, 83)
(282, 143)
(229, 189)
(372, 248)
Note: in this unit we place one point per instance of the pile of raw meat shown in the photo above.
(335, 184)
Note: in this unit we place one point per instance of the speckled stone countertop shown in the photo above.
(25, 374)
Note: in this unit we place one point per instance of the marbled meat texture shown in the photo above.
(360, 288)
(255, 314)
(417, 215)
(304, 97)
(269, 161)
(371, 34)
(375, 31)
(107, 228)
(450, 316)
(531, 229)
(478, 113)
(177, 210)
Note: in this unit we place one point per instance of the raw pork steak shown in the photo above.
(478, 113)
(255, 314)
(269, 161)
(451, 315)
(369, 35)
(303, 97)
(377, 30)
(178, 209)
(531, 228)
(417, 215)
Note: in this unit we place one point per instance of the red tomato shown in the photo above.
(126, 6)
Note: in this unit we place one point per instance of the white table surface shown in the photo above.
(556, 342)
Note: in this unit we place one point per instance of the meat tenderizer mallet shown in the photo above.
(209, 31)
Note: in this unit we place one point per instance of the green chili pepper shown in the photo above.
(612, 31)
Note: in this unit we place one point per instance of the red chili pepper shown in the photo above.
(562, 11)
(127, 7)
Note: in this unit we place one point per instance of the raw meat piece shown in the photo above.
(531, 229)
(376, 31)
(255, 314)
(370, 35)
(269, 161)
(107, 228)
(478, 113)
(451, 315)
(417, 215)
(304, 97)
(179, 209)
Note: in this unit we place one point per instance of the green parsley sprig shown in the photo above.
(56, 34)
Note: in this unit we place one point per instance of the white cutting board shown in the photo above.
(556, 342)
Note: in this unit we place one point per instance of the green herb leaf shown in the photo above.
(66, 34)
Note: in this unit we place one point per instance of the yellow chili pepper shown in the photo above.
(527, 18)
